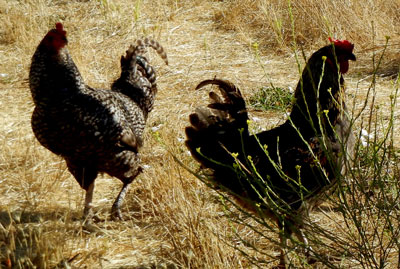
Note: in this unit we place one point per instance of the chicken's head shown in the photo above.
(55, 39)
(343, 52)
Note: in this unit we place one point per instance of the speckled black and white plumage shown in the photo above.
(94, 130)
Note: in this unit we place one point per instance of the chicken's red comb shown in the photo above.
(342, 44)
(60, 28)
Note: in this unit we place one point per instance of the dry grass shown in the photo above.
(173, 219)
(272, 23)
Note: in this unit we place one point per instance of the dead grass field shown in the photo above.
(173, 220)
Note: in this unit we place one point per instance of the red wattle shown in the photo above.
(344, 67)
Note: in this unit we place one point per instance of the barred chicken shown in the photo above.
(283, 172)
(94, 130)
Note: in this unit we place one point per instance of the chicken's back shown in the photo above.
(88, 128)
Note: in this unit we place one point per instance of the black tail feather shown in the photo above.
(217, 124)
(232, 102)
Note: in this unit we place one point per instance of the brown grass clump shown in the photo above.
(309, 23)
(173, 219)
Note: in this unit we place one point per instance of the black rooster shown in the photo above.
(289, 166)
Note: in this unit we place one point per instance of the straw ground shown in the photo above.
(173, 219)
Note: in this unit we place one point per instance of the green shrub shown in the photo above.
(271, 98)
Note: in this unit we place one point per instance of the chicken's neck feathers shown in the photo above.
(54, 77)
